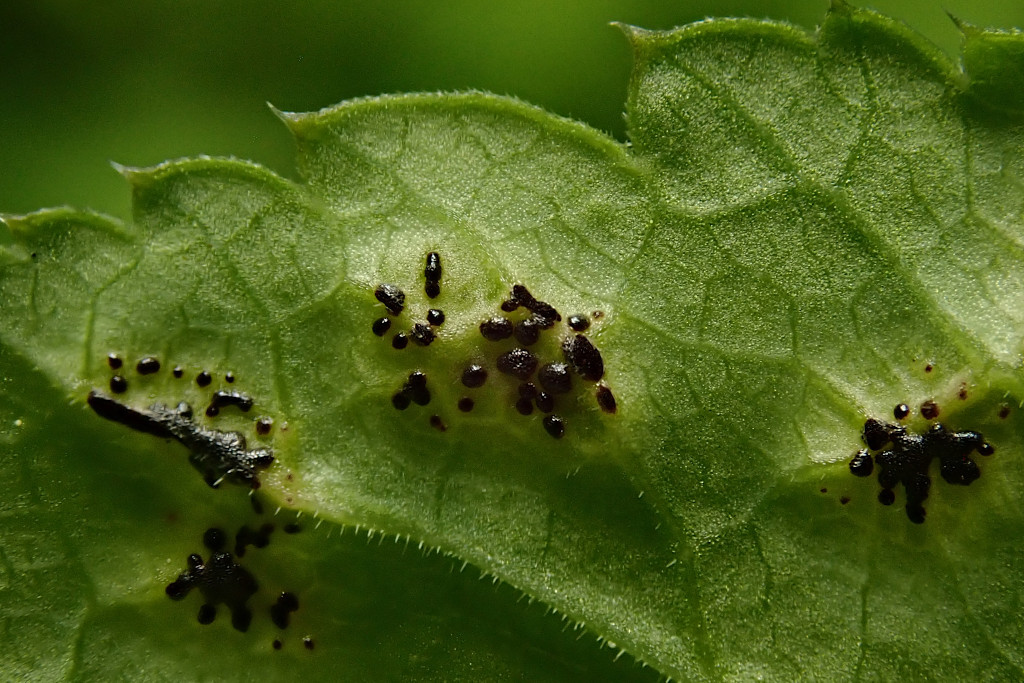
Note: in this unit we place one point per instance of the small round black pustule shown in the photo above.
(929, 410)
(496, 329)
(578, 323)
(584, 357)
(204, 378)
(986, 449)
(381, 326)
(212, 411)
(292, 528)
(147, 366)
(263, 425)
(518, 362)
(437, 423)
(229, 378)
(432, 290)
(1004, 412)
(399, 341)
(416, 388)
(527, 332)
(207, 613)
(555, 378)
(524, 406)
(509, 305)
(114, 361)
(308, 643)
(118, 384)
(862, 464)
(400, 401)
(277, 644)
(422, 334)
(545, 402)
(435, 316)
(528, 390)
(915, 513)
(391, 296)
(554, 426)
(474, 376)
(886, 497)
(214, 539)
(901, 411)
(928, 368)
(432, 272)
(178, 372)
(606, 399)
(466, 404)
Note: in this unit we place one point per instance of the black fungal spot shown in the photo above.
(496, 329)
(578, 323)
(524, 406)
(381, 326)
(929, 410)
(474, 376)
(400, 401)
(422, 334)
(466, 404)
(554, 426)
(147, 366)
(844, 500)
(555, 378)
(178, 372)
(901, 411)
(509, 305)
(222, 399)
(212, 411)
(204, 378)
(416, 388)
(1004, 412)
(435, 316)
(545, 402)
(277, 644)
(928, 368)
(432, 272)
(229, 378)
(986, 449)
(114, 361)
(518, 363)
(214, 539)
(220, 581)
(308, 643)
(432, 289)
(605, 399)
(257, 506)
(527, 332)
(292, 528)
(962, 394)
(280, 611)
(400, 341)
(907, 457)
(217, 455)
(391, 296)
(118, 384)
(263, 425)
(258, 538)
(528, 390)
(437, 423)
(584, 357)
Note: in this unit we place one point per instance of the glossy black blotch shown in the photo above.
(221, 581)
(219, 456)
(905, 458)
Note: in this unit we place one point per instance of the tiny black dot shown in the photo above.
(886, 497)
(496, 329)
(307, 643)
(114, 361)
(524, 406)
(118, 384)
(203, 379)
(554, 426)
(33, 254)
(545, 402)
(400, 341)
(207, 613)
(606, 399)
(928, 368)
(962, 394)
(381, 326)
(435, 316)
(432, 289)
(263, 425)
(929, 410)
(212, 411)
(178, 372)
(901, 411)
(1004, 412)
(466, 404)
(277, 644)
(400, 401)
(437, 423)
(844, 500)
(824, 490)
(229, 377)
(292, 528)
(474, 376)
(147, 366)
(214, 539)
(578, 323)
(986, 449)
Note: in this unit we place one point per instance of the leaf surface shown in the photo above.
(804, 232)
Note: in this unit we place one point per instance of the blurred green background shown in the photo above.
(139, 82)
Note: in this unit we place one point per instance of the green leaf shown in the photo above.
(804, 232)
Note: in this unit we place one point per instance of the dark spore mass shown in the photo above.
(118, 384)
(280, 612)
(554, 426)
(400, 401)
(986, 449)
(518, 363)
(114, 361)
(204, 378)
(862, 464)
(929, 410)
(474, 376)
(277, 644)
(391, 296)
(435, 316)
(399, 341)
(555, 378)
(528, 390)
(466, 404)
(584, 357)
(221, 581)
(876, 433)
(432, 272)
(178, 372)
(263, 425)
(545, 402)
(147, 366)
(308, 643)
(527, 332)
(229, 377)
(844, 500)
(432, 289)
(138, 420)
(437, 423)
(524, 406)
(207, 613)
(292, 528)
(578, 323)
(901, 411)
(496, 329)
(928, 368)
(1004, 412)
(381, 326)
(605, 399)
(212, 411)
(214, 539)
(222, 399)
(416, 388)
(886, 497)
(422, 334)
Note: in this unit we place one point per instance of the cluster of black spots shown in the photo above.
(584, 357)
(929, 410)
(221, 580)
(223, 399)
(257, 538)
(518, 362)
(422, 334)
(496, 329)
(381, 326)
(263, 425)
(147, 366)
(605, 399)
(435, 316)
(432, 274)
(219, 456)
(905, 458)
(391, 296)
(280, 611)
(414, 390)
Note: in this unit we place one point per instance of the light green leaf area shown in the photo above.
(804, 232)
